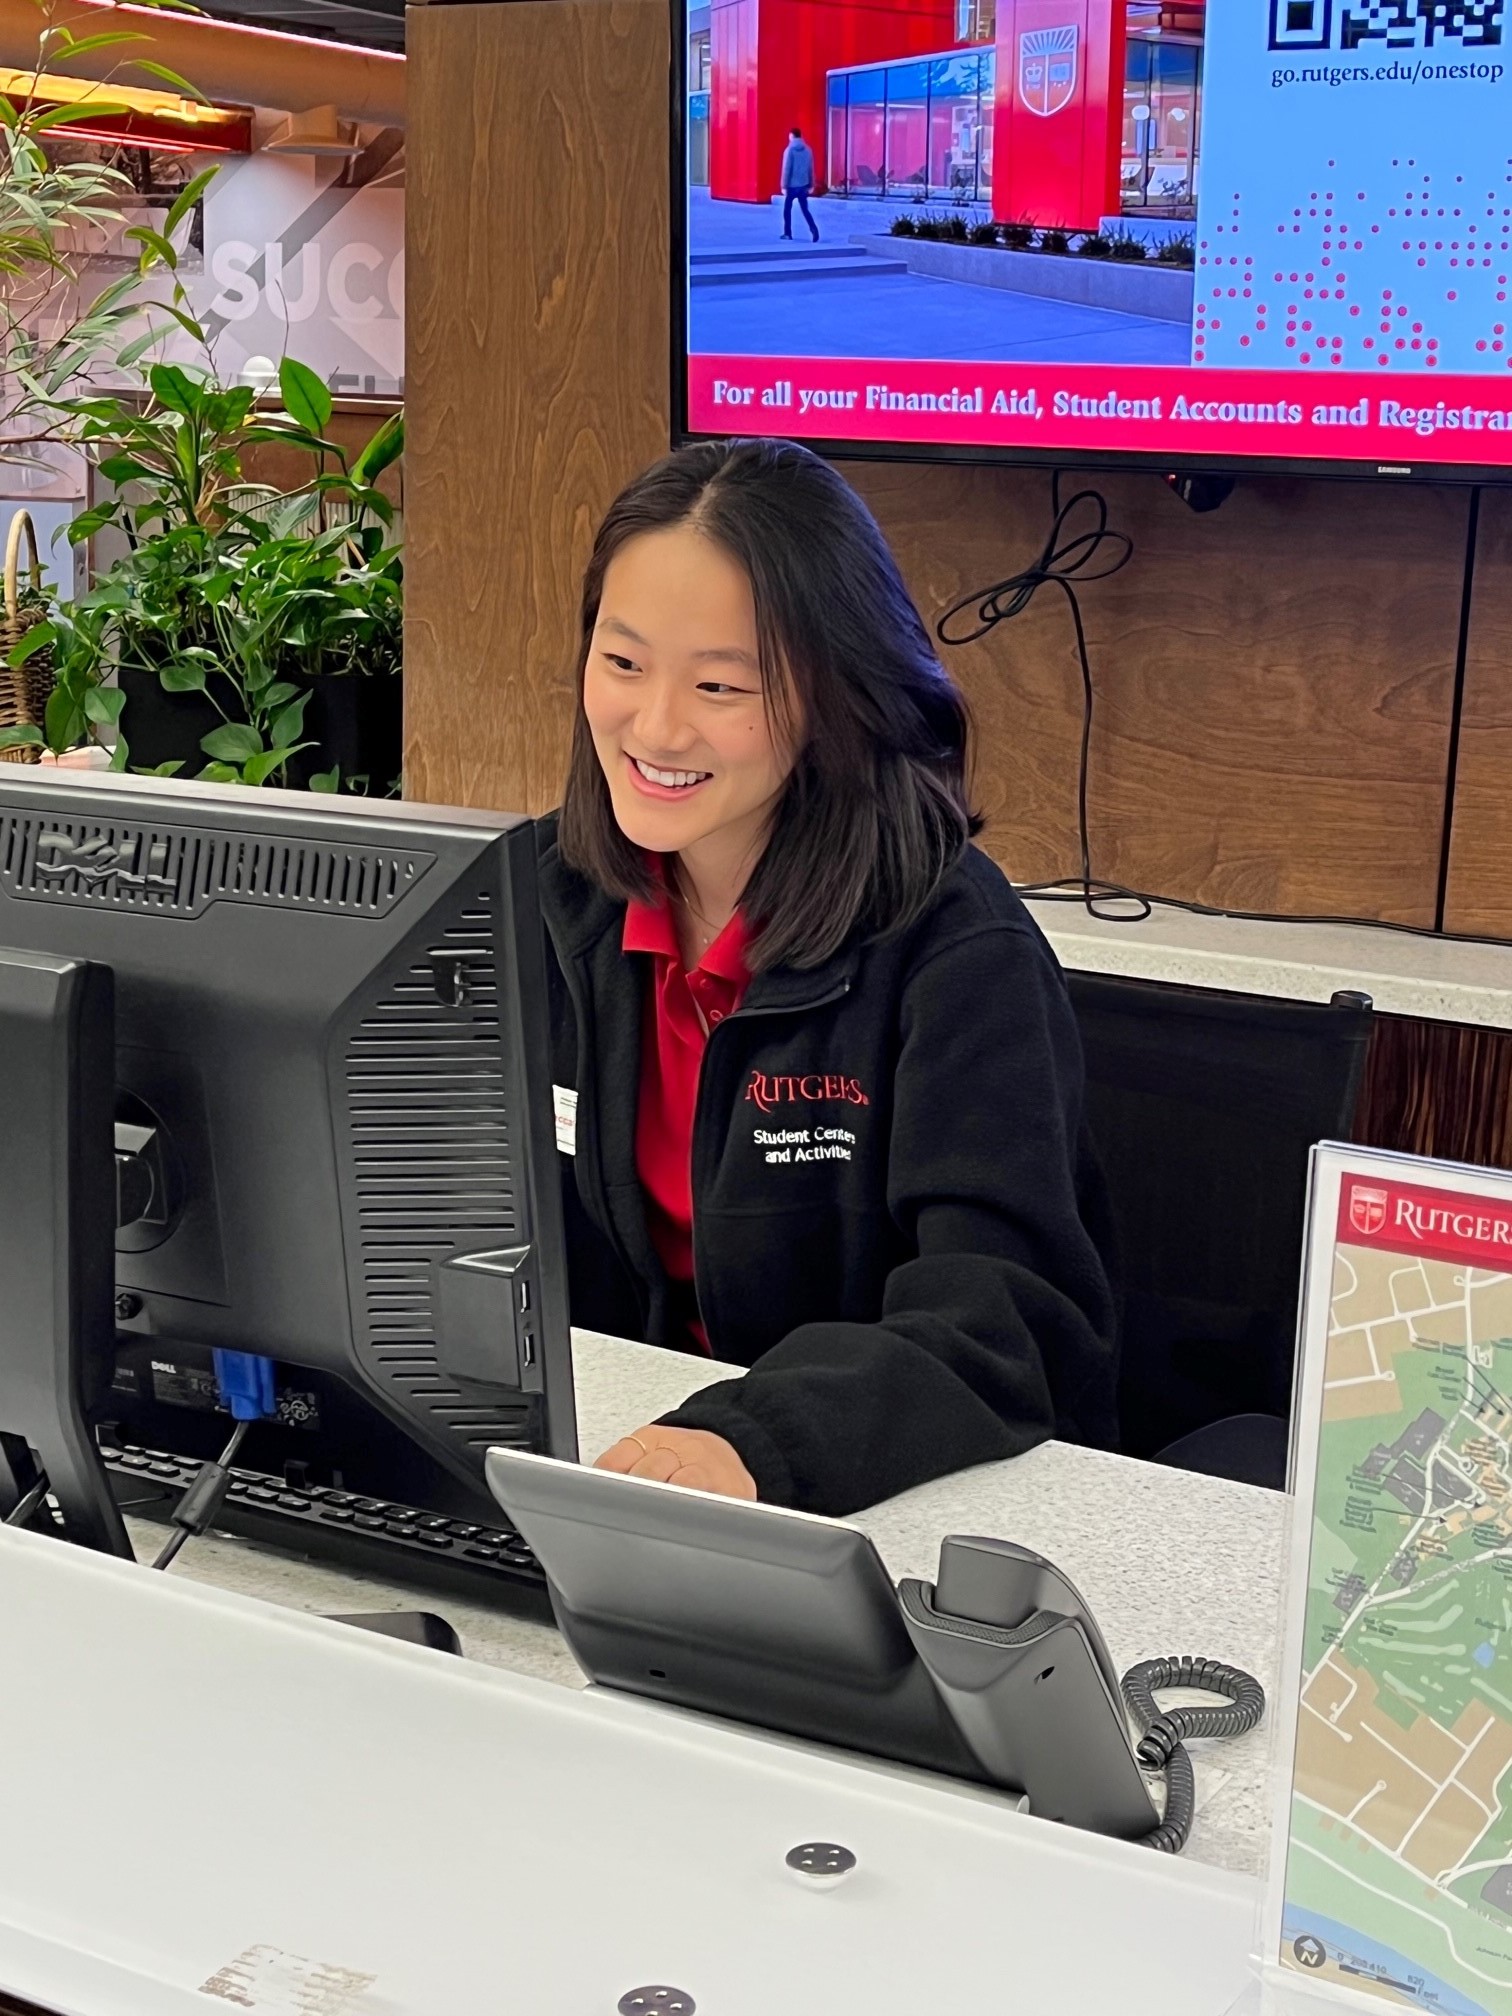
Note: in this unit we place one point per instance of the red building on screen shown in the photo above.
(1052, 111)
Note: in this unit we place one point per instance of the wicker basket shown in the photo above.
(25, 691)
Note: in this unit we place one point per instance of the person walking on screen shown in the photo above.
(797, 181)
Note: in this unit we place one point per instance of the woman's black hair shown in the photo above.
(875, 811)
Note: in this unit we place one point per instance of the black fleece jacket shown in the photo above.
(896, 1216)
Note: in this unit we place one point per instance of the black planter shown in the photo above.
(167, 727)
(355, 722)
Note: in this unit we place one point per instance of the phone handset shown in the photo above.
(1018, 1659)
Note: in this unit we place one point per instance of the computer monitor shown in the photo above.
(329, 1111)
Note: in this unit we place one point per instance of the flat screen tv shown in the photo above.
(1205, 235)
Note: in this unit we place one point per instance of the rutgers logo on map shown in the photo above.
(1367, 1210)
(1047, 68)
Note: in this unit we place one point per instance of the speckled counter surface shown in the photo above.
(1169, 1563)
(1405, 973)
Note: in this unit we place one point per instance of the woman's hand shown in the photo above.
(691, 1457)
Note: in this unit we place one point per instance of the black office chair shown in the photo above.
(1203, 1107)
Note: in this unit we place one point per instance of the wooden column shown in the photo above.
(538, 366)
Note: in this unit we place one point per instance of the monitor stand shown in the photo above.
(57, 1242)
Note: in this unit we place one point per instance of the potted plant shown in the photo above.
(56, 331)
(227, 639)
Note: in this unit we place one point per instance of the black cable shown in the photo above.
(176, 1540)
(1457, 703)
(26, 1505)
(1069, 891)
(1164, 1732)
(1066, 558)
(197, 1508)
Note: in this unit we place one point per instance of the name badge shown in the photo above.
(564, 1104)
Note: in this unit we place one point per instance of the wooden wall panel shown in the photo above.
(1437, 1088)
(537, 369)
(1273, 684)
(1479, 895)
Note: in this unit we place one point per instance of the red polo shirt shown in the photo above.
(672, 1047)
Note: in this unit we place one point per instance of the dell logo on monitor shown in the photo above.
(133, 864)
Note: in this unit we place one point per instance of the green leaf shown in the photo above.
(181, 675)
(306, 395)
(290, 515)
(89, 522)
(140, 345)
(289, 725)
(326, 780)
(36, 639)
(276, 695)
(240, 400)
(126, 469)
(162, 770)
(170, 77)
(27, 737)
(185, 321)
(103, 704)
(155, 248)
(120, 755)
(9, 116)
(173, 388)
(184, 453)
(220, 773)
(186, 199)
(290, 436)
(235, 743)
(84, 45)
(113, 295)
(75, 114)
(261, 768)
(63, 722)
(386, 446)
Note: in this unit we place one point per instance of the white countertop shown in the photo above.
(1169, 1563)
(1404, 973)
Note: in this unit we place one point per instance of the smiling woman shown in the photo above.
(680, 725)
(826, 1083)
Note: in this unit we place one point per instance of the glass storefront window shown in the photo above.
(837, 153)
(954, 125)
(866, 149)
(976, 20)
(907, 127)
(914, 128)
(986, 99)
(1162, 103)
(698, 110)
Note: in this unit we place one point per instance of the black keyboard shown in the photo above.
(489, 1564)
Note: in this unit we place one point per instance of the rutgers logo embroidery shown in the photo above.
(769, 1090)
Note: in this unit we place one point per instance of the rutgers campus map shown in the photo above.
(1398, 1861)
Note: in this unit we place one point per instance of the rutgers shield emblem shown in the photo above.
(1367, 1209)
(1047, 68)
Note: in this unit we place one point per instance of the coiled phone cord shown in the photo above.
(1165, 1731)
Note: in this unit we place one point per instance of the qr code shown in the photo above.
(1394, 24)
